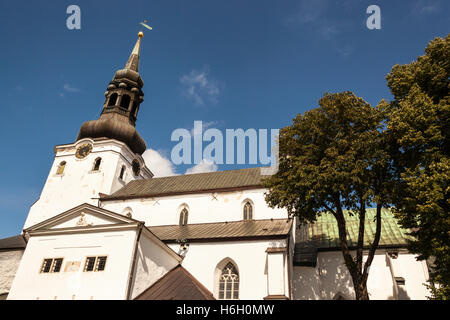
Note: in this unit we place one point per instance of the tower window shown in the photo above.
(229, 282)
(136, 167)
(183, 217)
(97, 163)
(125, 102)
(122, 172)
(112, 100)
(133, 110)
(248, 211)
(61, 168)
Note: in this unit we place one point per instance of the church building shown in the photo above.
(105, 228)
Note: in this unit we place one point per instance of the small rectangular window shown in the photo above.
(46, 265)
(90, 263)
(51, 265)
(57, 265)
(95, 263)
(101, 262)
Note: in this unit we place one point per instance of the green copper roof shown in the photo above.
(323, 234)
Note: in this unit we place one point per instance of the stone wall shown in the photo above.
(9, 262)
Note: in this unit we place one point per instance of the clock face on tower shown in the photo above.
(83, 151)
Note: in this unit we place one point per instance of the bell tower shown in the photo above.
(120, 110)
(106, 154)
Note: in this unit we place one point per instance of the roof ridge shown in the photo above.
(200, 173)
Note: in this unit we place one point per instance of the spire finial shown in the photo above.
(133, 60)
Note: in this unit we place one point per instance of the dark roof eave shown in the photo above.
(222, 239)
(388, 246)
(167, 194)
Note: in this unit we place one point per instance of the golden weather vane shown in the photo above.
(145, 25)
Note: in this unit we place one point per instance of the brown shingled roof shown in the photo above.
(177, 284)
(190, 183)
(270, 228)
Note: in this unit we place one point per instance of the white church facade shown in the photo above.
(105, 228)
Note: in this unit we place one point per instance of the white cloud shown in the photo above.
(421, 7)
(204, 166)
(158, 164)
(67, 87)
(199, 87)
(161, 166)
(307, 13)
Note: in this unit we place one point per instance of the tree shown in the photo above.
(418, 127)
(334, 158)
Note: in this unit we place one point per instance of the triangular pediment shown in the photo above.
(84, 215)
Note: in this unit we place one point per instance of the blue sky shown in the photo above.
(231, 64)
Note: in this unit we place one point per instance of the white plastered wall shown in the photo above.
(152, 263)
(73, 282)
(250, 257)
(79, 183)
(331, 277)
(203, 208)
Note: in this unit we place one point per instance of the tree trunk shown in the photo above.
(361, 290)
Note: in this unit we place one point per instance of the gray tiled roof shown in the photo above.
(190, 183)
(15, 242)
(224, 230)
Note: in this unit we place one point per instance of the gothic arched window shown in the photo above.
(125, 102)
(183, 217)
(112, 100)
(61, 168)
(248, 211)
(97, 163)
(229, 283)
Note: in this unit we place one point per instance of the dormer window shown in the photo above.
(184, 217)
(97, 163)
(61, 168)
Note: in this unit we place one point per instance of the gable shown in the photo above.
(84, 215)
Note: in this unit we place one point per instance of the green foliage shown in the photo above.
(418, 128)
(330, 156)
(334, 158)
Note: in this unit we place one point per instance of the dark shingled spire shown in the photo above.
(123, 98)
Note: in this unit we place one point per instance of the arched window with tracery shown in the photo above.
(248, 211)
(229, 283)
(184, 217)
